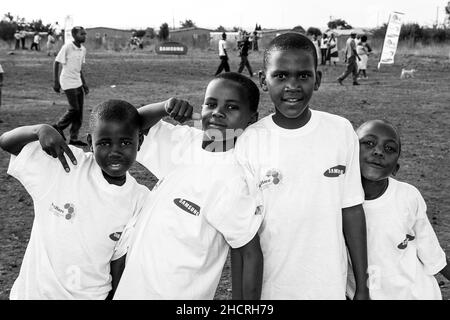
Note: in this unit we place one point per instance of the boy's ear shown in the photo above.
(89, 141)
(318, 80)
(397, 167)
(141, 139)
(262, 80)
(254, 118)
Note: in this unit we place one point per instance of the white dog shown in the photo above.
(407, 73)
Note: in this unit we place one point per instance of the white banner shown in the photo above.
(68, 25)
(391, 38)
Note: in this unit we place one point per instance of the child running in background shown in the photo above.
(403, 250)
(305, 163)
(202, 203)
(80, 208)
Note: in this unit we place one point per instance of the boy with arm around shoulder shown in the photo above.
(202, 203)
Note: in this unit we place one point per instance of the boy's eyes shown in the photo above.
(213, 105)
(368, 143)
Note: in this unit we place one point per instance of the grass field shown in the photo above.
(419, 107)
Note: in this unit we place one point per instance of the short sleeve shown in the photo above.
(353, 193)
(237, 213)
(61, 57)
(429, 251)
(1, 69)
(35, 169)
(163, 147)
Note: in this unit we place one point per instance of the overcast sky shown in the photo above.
(140, 14)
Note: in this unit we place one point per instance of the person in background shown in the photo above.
(223, 55)
(72, 57)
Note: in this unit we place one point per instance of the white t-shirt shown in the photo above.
(222, 47)
(403, 250)
(199, 208)
(1, 69)
(306, 177)
(71, 57)
(78, 218)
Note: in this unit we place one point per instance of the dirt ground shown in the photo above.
(419, 107)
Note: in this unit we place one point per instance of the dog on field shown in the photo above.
(407, 73)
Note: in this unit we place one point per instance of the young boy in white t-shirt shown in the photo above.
(81, 207)
(403, 250)
(305, 163)
(201, 204)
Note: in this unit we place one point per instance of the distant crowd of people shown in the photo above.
(54, 35)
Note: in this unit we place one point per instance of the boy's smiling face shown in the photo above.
(290, 77)
(379, 150)
(115, 145)
(226, 107)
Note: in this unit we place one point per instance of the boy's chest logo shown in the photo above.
(115, 236)
(67, 210)
(272, 177)
(334, 172)
(404, 243)
(187, 206)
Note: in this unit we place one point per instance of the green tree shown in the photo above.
(299, 29)
(150, 32)
(138, 33)
(339, 24)
(163, 32)
(188, 23)
(221, 29)
(235, 29)
(313, 31)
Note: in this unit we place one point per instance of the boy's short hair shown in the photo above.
(388, 124)
(364, 38)
(247, 84)
(75, 30)
(115, 110)
(291, 40)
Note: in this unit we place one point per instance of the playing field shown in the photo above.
(419, 107)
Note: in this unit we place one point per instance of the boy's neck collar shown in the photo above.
(218, 146)
(118, 181)
(77, 44)
(296, 123)
(374, 189)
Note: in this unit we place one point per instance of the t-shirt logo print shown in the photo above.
(187, 206)
(115, 236)
(334, 172)
(67, 211)
(404, 243)
(273, 176)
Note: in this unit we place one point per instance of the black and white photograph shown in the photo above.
(237, 152)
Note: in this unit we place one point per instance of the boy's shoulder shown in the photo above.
(406, 189)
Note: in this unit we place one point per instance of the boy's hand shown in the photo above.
(57, 87)
(53, 144)
(86, 90)
(362, 295)
(178, 109)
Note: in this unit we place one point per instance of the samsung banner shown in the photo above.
(391, 38)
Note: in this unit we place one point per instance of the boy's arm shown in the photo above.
(179, 110)
(51, 142)
(355, 234)
(446, 270)
(56, 84)
(251, 261)
(83, 81)
(117, 267)
(236, 274)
